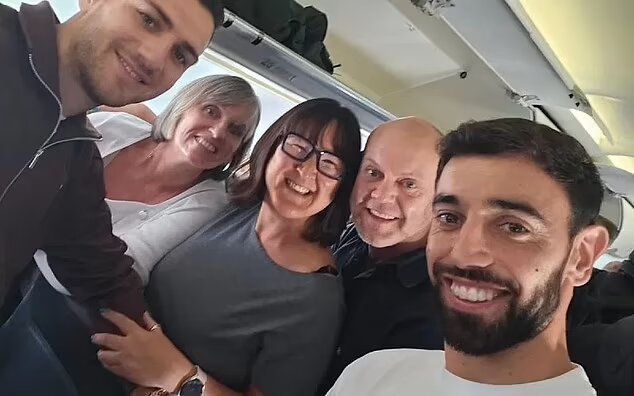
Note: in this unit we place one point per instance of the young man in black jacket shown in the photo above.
(112, 52)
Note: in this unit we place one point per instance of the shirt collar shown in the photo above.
(410, 267)
(39, 25)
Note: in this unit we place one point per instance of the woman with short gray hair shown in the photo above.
(165, 179)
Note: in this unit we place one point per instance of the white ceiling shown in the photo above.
(377, 47)
(589, 43)
(571, 58)
(409, 63)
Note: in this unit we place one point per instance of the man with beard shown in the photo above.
(512, 235)
(112, 52)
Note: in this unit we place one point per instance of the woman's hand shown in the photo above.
(144, 357)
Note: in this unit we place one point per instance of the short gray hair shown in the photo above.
(222, 90)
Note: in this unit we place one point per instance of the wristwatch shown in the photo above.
(194, 385)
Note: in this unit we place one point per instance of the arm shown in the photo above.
(149, 359)
(82, 252)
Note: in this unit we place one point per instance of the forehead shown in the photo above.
(327, 138)
(477, 180)
(324, 137)
(403, 153)
(191, 20)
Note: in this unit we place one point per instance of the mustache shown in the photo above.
(475, 274)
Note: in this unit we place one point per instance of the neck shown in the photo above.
(271, 226)
(75, 99)
(165, 168)
(389, 252)
(542, 358)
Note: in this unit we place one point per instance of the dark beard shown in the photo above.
(468, 334)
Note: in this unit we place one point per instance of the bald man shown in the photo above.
(382, 257)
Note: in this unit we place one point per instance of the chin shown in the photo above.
(295, 214)
(377, 240)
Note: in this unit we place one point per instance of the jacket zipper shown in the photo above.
(31, 163)
(39, 152)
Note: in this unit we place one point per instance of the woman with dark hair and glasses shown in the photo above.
(252, 303)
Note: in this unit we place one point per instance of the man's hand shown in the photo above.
(144, 357)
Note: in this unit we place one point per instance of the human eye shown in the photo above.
(212, 111)
(148, 21)
(410, 184)
(514, 228)
(447, 218)
(372, 172)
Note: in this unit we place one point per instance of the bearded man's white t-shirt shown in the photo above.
(415, 372)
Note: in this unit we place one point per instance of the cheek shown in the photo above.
(281, 163)
(329, 187)
(439, 243)
(273, 170)
(170, 76)
(181, 132)
(359, 192)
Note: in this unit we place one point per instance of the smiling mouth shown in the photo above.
(131, 72)
(381, 216)
(297, 188)
(474, 292)
(207, 145)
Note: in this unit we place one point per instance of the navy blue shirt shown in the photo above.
(389, 304)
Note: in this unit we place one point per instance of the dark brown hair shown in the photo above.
(309, 119)
(561, 156)
(217, 10)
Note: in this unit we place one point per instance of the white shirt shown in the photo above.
(415, 372)
(150, 231)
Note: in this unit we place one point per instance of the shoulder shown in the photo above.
(201, 203)
(119, 129)
(207, 192)
(388, 358)
(350, 252)
(8, 14)
(349, 236)
(399, 364)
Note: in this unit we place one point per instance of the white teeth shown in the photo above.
(206, 144)
(130, 71)
(472, 294)
(296, 187)
(381, 215)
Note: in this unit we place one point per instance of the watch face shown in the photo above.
(192, 388)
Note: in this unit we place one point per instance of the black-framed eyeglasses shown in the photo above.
(299, 148)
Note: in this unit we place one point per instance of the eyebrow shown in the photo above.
(170, 25)
(446, 199)
(517, 206)
(405, 175)
(370, 160)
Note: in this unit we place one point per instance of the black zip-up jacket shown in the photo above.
(51, 175)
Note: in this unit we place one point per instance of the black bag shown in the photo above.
(301, 29)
